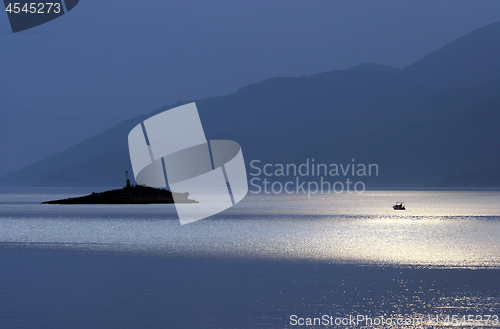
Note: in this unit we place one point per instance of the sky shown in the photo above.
(120, 58)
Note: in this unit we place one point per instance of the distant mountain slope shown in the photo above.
(470, 60)
(372, 113)
(105, 170)
(13, 143)
(377, 67)
(27, 135)
(95, 146)
(415, 134)
(280, 106)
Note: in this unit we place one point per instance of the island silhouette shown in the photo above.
(130, 194)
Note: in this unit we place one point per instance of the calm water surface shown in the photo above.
(253, 266)
(450, 228)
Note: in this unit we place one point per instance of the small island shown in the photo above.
(130, 194)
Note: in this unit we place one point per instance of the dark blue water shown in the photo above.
(253, 266)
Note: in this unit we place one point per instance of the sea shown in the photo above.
(343, 260)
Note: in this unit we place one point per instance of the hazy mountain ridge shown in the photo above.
(377, 67)
(28, 135)
(470, 60)
(373, 113)
(261, 105)
(93, 147)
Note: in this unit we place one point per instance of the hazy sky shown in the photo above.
(106, 61)
(134, 56)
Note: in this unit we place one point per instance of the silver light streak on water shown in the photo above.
(438, 228)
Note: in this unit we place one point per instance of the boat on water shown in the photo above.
(399, 206)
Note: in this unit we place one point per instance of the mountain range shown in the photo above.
(431, 123)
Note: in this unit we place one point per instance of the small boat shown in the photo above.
(399, 206)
